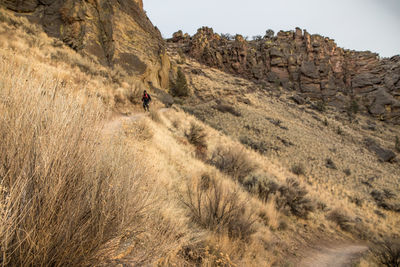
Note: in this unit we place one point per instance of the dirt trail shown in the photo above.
(333, 256)
(114, 124)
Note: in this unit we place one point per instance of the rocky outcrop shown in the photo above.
(116, 33)
(310, 64)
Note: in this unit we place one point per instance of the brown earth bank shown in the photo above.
(309, 64)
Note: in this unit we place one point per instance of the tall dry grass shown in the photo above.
(66, 192)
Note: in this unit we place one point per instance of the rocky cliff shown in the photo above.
(312, 65)
(116, 33)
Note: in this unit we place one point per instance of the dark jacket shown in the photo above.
(146, 98)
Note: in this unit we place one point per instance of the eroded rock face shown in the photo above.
(115, 32)
(310, 64)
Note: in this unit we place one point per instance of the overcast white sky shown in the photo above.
(354, 24)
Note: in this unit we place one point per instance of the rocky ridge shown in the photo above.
(312, 65)
(117, 34)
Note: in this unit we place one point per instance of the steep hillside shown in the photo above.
(257, 177)
(311, 65)
(116, 34)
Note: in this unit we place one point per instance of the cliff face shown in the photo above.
(310, 64)
(115, 32)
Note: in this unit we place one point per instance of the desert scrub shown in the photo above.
(233, 161)
(216, 207)
(298, 169)
(261, 185)
(260, 146)
(342, 219)
(196, 135)
(293, 198)
(227, 108)
(387, 252)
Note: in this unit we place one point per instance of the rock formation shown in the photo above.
(310, 64)
(115, 33)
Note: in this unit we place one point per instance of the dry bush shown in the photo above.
(298, 169)
(196, 135)
(233, 161)
(65, 194)
(218, 208)
(387, 253)
(386, 199)
(341, 219)
(226, 108)
(293, 196)
(258, 145)
(261, 185)
(330, 164)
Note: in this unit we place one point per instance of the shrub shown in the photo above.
(298, 169)
(330, 164)
(233, 161)
(228, 108)
(215, 207)
(293, 197)
(261, 185)
(269, 34)
(386, 199)
(179, 87)
(341, 219)
(339, 131)
(387, 253)
(353, 108)
(258, 145)
(196, 135)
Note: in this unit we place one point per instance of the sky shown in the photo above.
(372, 25)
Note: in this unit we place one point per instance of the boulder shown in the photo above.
(384, 155)
(381, 100)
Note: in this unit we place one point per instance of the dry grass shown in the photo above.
(65, 193)
(218, 208)
(70, 195)
(342, 219)
(233, 161)
(196, 135)
(387, 253)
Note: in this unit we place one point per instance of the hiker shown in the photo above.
(146, 100)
